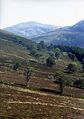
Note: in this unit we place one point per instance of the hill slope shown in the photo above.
(63, 37)
(78, 27)
(15, 38)
(14, 47)
(22, 103)
(41, 99)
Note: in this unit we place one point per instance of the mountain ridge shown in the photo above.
(68, 35)
(30, 29)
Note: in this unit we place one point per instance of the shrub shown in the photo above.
(72, 68)
(52, 54)
(72, 56)
(60, 78)
(50, 61)
(57, 53)
(41, 45)
(16, 65)
(79, 83)
(33, 52)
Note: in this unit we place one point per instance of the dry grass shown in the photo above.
(41, 100)
(24, 103)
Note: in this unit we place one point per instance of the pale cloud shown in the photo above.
(55, 12)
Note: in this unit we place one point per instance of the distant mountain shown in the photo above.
(71, 35)
(78, 27)
(30, 29)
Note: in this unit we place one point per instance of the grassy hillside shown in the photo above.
(19, 103)
(41, 100)
(14, 47)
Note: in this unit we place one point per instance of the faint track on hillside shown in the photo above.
(67, 101)
(44, 104)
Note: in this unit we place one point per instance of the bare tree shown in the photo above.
(28, 74)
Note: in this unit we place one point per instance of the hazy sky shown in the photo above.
(55, 12)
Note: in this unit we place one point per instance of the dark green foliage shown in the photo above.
(32, 46)
(50, 47)
(71, 68)
(60, 79)
(78, 52)
(20, 42)
(79, 83)
(37, 55)
(82, 64)
(72, 56)
(33, 49)
(33, 52)
(57, 53)
(50, 61)
(16, 65)
(52, 54)
(41, 45)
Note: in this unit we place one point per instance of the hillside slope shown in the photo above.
(42, 99)
(22, 103)
(14, 47)
(63, 37)
(15, 38)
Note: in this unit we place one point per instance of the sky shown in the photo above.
(54, 12)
